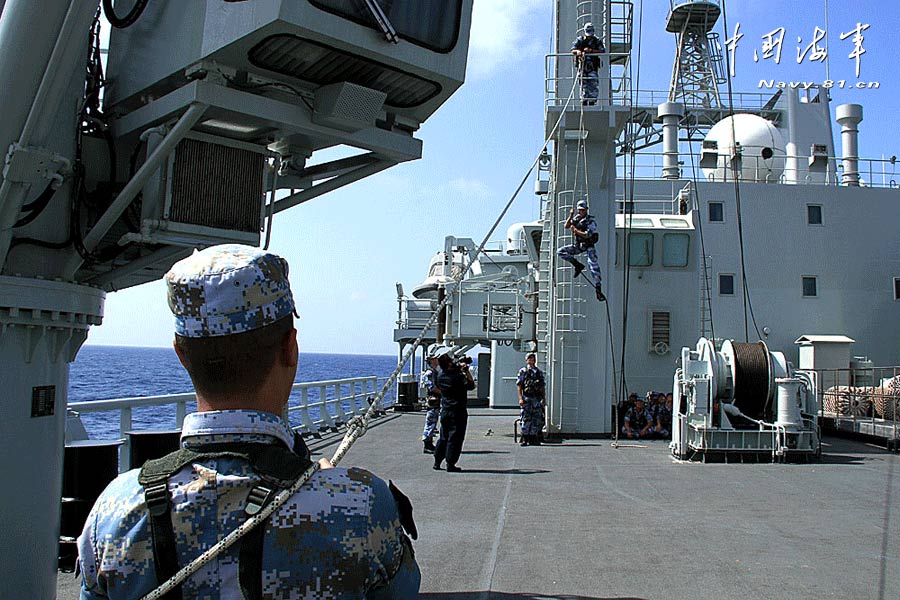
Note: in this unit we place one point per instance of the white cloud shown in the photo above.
(469, 187)
(500, 35)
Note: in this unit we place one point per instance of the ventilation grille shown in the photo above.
(659, 329)
(498, 318)
(216, 186)
(309, 61)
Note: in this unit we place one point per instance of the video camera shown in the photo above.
(465, 360)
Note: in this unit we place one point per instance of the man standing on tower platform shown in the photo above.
(584, 230)
(586, 48)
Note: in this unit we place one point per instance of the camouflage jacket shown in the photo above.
(338, 537)
(531, 381)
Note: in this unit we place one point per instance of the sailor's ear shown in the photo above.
(179, 353)
(290, 351)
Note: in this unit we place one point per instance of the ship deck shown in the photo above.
(582, 520)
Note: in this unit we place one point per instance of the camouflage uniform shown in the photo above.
(228, 289)
(637, 419)
(568, 253)
(532, 413)
(338, 537)
(589, 65)
(664, 419)
(429, 383)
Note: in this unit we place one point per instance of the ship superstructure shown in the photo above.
(113, 172)
(749, 224)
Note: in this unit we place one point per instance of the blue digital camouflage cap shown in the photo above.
(228, 289)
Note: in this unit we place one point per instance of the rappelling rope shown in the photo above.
(357, 426)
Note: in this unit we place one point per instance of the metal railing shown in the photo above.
(561, 74)
(741, 101)
(874, 172)
(314, 407)
(866, 398)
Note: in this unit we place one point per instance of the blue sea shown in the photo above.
(105, 372)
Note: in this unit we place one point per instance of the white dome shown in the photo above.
(761, 145)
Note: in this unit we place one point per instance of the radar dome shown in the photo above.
(762, 150)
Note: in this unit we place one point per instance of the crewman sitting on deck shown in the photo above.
(338, 537)
(638, 422)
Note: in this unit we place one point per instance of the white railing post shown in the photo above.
(125, 451)
(305, 420)
(180, 413)
(339, 409)
(326, 417)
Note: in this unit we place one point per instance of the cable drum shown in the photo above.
(751, 378)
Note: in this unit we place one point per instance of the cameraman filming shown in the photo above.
(454, 381)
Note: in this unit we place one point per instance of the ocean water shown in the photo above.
(105, 372)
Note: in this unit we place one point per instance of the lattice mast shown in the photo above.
(699, 69)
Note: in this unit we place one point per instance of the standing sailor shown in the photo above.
(454, 380)
(586, 48)
(530, 385)
(338, 537)
(584, 230)
(428, 382)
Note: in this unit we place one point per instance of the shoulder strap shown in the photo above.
(162, 534)
(276, 466)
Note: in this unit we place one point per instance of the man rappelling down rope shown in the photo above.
(584, 230)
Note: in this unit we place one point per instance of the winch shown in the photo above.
(743, 401)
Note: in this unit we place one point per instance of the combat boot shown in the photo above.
(535, 440)
(578, 268)
(428, 447)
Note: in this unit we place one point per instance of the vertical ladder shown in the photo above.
(568, 319)
(542, 333)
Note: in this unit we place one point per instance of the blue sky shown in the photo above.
(349, 248)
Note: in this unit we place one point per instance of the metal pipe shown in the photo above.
(792, 150)
(133, 188)
(670, 113)
(849, 116)
(332, 184)
(21, 17)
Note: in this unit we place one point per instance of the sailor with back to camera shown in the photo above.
(338, 537)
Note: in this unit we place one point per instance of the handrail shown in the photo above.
(335, 401)
(875, 172)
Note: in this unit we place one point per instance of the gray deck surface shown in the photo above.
(582, 520)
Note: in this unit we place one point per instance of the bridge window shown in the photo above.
(716, 212)
(640, 249)
(675, 249)
(810, 287)
(726, 284)
(433, 24)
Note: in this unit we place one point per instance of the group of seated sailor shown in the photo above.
(647, 419)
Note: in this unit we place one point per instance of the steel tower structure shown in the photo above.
(698, 68)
